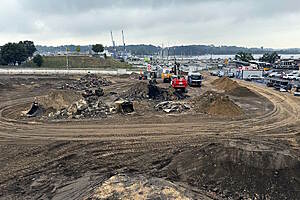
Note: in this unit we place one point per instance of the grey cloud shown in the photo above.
(236, 22)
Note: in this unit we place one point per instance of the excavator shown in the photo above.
(166, 75)
(179, 82)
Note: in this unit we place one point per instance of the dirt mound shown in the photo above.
(139, 187)
(240, 170)
(241, 92)
(225, 83)
(142, 90)
(59, 99)
(216, 104)
(133, 75)
(233, 88)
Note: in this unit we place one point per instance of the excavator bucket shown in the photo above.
(34, 111)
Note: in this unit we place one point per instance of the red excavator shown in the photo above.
(179, 82)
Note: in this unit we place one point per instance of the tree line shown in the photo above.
(269, 57)
(17, 53)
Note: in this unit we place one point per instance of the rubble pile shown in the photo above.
(90, 106)
(216, 104)
(81, 99)
(122, 186)
(172, 106)
(95, 108)
(142, 90)
(86, 82)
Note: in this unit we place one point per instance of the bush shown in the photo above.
(38, 60)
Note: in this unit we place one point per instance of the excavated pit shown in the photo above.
(239, 170)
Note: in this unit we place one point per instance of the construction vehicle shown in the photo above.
(194, 79)
(166, 75)
(179, 82)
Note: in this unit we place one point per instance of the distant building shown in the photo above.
(288, 64)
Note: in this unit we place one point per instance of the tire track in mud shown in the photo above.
(284, 114)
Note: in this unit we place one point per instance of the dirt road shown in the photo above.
(219, 159)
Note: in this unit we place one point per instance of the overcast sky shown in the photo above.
(249, 23)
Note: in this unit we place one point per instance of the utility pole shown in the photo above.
(123, 41)
(162, 51)
(67, 58)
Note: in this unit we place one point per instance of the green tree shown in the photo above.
(13, 53)
(98, 48)
(1, 60)
(244, 56)
(38, 60)
(78, 49)
(270, 57)
(29, 47)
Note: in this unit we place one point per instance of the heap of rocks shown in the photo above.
(142, 90)
(172, 106)
(86, 82)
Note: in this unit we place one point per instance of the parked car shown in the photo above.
(289, 76)
(297, 77)
(214, 73)
(253, 77)
(194, 79)
(275, 75)
(221, 74)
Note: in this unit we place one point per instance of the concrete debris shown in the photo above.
(143, 90)
(86, 83)
(84, 109)
(138, 187)
(172, 106)
(91, 106)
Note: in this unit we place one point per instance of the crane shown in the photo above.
(112, 39)
(123, 41)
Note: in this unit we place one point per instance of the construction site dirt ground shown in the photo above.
(184, 155)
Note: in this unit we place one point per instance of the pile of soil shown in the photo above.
(142, 90)
(133, 75)
(86, 82)
(241, 92)
(59, 99)
(239, 170)
(225, 84)
(214, 103)
(233, 88)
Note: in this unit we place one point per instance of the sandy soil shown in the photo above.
(253, 156)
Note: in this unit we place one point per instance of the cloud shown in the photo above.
(230, 22)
